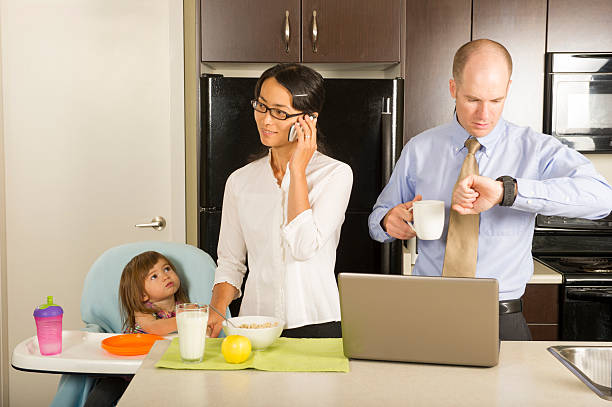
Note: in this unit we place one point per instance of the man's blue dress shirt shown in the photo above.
(552, 180)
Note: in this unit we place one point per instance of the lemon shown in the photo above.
(236, 348)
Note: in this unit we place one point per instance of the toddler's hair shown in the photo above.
(131, 287)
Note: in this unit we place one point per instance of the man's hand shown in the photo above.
(395, 220)
(475, 194)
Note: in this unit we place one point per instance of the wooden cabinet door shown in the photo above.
(250, 30)
(351, 31)
(434, 32)
(520, 26)
(541, 311)
(579, 26)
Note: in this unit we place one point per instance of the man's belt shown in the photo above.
(510, 306)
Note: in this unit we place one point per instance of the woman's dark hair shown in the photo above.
(304, 84)
(307, 94)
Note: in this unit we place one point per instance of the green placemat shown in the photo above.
(284, 355)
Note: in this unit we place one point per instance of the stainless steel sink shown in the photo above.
(592, 365)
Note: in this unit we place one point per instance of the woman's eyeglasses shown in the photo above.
(274, 112)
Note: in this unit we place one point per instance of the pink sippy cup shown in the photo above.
(48, 319)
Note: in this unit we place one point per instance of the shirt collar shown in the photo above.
(487, 142)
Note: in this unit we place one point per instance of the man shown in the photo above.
(540, 175)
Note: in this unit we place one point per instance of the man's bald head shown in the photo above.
(464, 53)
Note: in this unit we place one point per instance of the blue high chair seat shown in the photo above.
(100, 298)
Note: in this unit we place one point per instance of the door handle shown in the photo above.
(157, 223)
(387, 141)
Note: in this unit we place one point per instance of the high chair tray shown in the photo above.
(81, 353)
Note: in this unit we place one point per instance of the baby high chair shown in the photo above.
(100, 298)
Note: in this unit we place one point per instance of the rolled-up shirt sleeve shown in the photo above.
(231, 250)
(569, 186)
(309, 231)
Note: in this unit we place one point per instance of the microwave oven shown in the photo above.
(578, 100)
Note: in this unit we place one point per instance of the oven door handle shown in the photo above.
(600, 295)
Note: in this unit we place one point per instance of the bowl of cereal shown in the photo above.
(261, 331)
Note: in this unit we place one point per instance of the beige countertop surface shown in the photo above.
(544, 275)
(527, 375)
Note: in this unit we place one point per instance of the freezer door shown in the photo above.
(355, 130)
(351, 127)
(229, 134)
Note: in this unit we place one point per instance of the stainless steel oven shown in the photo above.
(578, 100)
(581, 250)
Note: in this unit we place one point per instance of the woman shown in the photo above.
(285, 212)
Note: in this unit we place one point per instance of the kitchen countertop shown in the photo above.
(527, 375)
(544, 275)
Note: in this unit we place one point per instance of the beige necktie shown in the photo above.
(462, 239)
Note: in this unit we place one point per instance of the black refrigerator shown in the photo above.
(361, 125)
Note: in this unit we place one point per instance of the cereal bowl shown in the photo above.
(261, 331)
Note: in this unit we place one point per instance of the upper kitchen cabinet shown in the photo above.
(251, 30)
(519, 25)
(579, 26)
(434, 31)
(351, 31)
(301, 31)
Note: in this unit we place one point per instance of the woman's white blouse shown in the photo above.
(291, 266)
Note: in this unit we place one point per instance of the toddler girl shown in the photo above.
(149, 291)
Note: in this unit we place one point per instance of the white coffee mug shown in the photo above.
(428, 219)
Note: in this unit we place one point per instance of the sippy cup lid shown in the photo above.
(49, 309)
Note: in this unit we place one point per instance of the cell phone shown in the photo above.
(293, 133)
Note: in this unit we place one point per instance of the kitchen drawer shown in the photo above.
(544, 332)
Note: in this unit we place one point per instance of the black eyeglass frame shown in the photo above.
(255, 103)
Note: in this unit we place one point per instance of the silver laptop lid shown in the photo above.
(420, 319)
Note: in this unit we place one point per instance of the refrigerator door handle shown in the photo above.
(391, 118)
(388, 158)
(387, 169)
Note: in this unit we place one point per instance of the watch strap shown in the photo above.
(509, 184)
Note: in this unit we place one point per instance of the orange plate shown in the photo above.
(130, 344)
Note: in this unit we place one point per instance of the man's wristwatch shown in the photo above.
(509, 190)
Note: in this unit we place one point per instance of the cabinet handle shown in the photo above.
(315, 31)
(287, 31)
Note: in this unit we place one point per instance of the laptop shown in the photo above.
(446, 320)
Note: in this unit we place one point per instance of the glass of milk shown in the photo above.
(191, 320)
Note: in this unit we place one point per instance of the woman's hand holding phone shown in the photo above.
(306, 136)
(293, 130)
